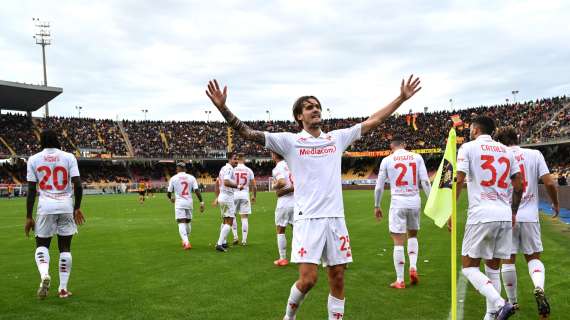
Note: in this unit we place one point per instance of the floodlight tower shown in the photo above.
(43, 38)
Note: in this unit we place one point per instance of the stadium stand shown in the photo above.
(103, 146)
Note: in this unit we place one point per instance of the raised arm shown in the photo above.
(407, 90)
(218, 98)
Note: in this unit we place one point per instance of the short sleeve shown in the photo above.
(346, 137)
(463, 159)
(279, 174)
(251, 175)
(542, 167)
(194, 184)
(73, 169)
(227, 175)
(31, 174)
(280, 142)
(170, 185)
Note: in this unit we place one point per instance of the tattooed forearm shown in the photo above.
(244, 130)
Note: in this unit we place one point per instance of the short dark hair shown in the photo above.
(507, 136)
(486, 124)
(298, 108)
(241, 156)
(398, 140)
(48, 139)
(230, 154)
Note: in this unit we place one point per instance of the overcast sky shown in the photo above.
(115, 58)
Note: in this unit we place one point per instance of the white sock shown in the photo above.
(234, 228)
(294, 301)
(413, 248)
(64, 269)
(536, 271)
(183, 232)
(223, 234)
(495, 277)
(42, 260)
(189, 228)
(509, 273)
(222, 227)
(399, 262)
(336, 308)
(484, 285)
(244, 229)
(282, 245)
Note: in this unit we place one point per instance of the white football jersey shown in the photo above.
(226, 193)
(532, 166)
(315, 165)
(182, 184)
(404, 170)
(281, 171)
(243, 176)
(53, 169)
(489, 165)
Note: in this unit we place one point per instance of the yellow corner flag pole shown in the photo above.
(454, 251)
(441, 206)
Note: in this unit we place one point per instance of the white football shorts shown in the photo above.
(48, 225)
(243, 206)
(321, 240)
(284, 216)
(526, 238)
(488, 240)
(227, 209)
(403, 219)
(181, 213)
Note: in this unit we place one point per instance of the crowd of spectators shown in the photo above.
(18, 131)
(535, 121)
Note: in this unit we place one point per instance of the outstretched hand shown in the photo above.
(217, 96)
(409, 88)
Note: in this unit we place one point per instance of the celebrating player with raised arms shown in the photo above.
(183, 184)
(526, 234)
(491, 170)
(283, 185)
(314, 158)
(56, 175)
(404, 170)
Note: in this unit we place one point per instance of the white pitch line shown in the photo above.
(461, 294)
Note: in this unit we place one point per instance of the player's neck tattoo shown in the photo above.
(244, 130)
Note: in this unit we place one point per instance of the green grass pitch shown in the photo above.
(128, 264)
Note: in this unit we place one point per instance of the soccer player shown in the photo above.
(183, 184)
(142, 191)
(526, 233)
(404, 170)
(244, 178)
(491, 169)
(56, 174)
(225, 200)
(283, 185)
(314, 157)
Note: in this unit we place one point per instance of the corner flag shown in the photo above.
(440, 203)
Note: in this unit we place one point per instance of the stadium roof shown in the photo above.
(25, 97)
